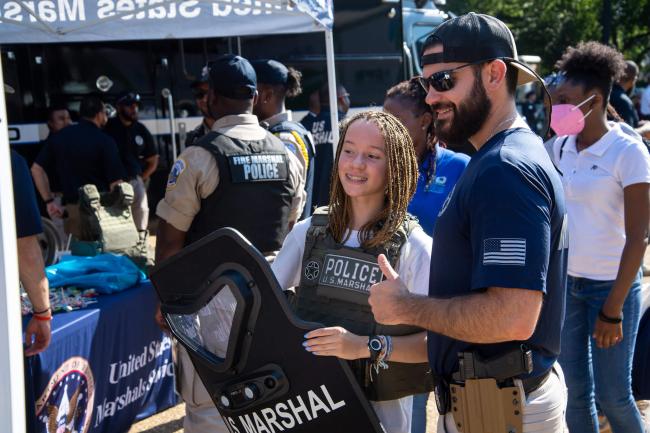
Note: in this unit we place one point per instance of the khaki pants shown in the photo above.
(201, 416)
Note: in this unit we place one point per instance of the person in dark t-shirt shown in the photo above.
(137, 151)
(498, 262)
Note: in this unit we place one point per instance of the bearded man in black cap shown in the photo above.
(275, 83)
(137, 151)
(238, 175)
(498, 264)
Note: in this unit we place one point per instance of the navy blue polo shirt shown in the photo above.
(431, 193)
(504, 225)
(28, 218)
(82, 154)
(134, 143)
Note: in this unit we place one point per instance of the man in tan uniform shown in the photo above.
(239, 175)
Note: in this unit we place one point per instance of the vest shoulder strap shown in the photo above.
(399, 238)
(287, 126)
(209, 140)
(320, 217)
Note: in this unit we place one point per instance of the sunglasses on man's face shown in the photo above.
(442, 81)
(200, 94)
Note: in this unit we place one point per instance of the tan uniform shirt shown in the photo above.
(195, 175)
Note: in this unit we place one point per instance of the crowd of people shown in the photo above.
(525, 249)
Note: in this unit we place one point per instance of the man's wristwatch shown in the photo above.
(375, 346)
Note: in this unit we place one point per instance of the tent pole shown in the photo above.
(12, 397)
(331, 82)
(167, 94)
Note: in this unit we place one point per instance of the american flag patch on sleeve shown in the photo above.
(504, 251)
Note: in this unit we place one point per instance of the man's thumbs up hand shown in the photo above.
(387, 297)
(386, 268)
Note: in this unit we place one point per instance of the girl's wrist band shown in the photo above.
(42, 312)
(43, 318)
(605, 318)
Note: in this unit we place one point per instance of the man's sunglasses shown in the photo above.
(442, 81)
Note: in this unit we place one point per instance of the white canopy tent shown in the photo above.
(52, 21)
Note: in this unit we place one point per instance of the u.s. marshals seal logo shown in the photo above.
(66, 404)
(312, 270)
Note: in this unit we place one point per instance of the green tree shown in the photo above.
(546, 27)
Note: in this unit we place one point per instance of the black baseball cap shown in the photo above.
(233, 77)
(204, 77)
(128, 98)
(472, 38)
(271, 72)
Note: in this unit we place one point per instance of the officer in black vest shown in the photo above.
(239, 175)
(275, 83)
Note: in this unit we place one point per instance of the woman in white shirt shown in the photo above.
(331, 259)
(606, 177)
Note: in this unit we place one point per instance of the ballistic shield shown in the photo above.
(224, 305)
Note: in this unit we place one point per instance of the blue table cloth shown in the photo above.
(107, 366)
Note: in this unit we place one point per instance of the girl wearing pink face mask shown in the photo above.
(606, 177)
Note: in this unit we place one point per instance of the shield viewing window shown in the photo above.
(216, 324)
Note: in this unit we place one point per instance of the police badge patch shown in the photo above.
(176, 171)
(312, 270)
(139, 140)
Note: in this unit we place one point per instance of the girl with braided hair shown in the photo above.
(439, 169)
(606, 178)
(331, 260)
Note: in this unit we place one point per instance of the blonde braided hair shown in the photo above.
(401, 177)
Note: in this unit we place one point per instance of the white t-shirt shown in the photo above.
(593, 182)
(413, 268)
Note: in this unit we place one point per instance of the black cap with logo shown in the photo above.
(128, 98)
(233, 77)
(473, 38)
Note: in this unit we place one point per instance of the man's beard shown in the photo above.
(468, 118)
(131, 117)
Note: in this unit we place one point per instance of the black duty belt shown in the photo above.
(443, 394)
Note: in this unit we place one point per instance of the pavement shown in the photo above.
(171, 420)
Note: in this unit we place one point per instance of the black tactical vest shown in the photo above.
(254, 193)
(303, 137)
(334, 290)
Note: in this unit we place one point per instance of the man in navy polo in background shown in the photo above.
(137, 151)
(498, 263)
